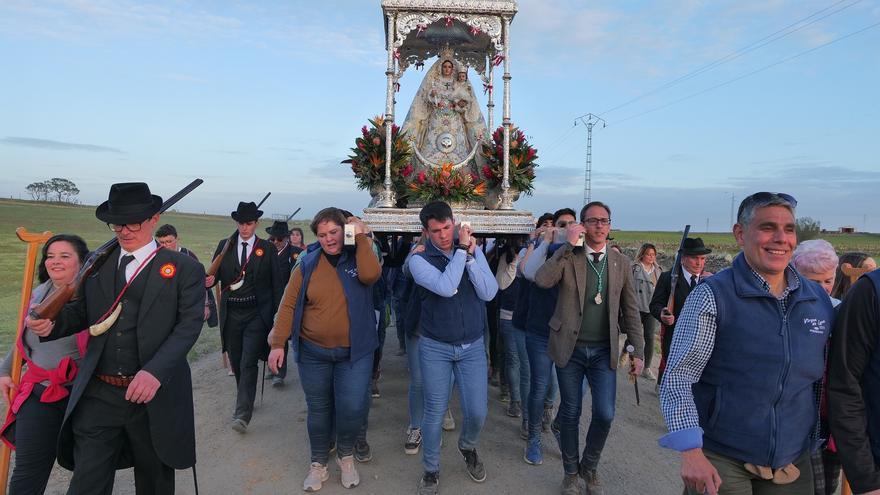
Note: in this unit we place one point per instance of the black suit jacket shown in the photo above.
(169, 322)
(263, 267)
(661, 294)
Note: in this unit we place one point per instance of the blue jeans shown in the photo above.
(439, 361)
(416, 396)
(592, 363)
(542, 387)
(516, 361)
(334, 388)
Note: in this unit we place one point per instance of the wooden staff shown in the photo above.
(852, 272)
(34, 241)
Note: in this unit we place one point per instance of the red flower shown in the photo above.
(474, 177)
(360, 145)
(487, 171)
(530, 154)
(421, 177)
(376, 141)
(407, 171)
(365, 132)
(394, 128)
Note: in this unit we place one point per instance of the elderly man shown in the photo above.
(740, 392)
(596, 294)
(693, 261)
(131, 402)
(854, 385)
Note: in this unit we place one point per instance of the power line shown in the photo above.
(742, 51)
(751, 73)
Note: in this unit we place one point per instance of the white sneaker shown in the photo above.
(350, 478)
(448, 421)
(648, 374)
(317, 476)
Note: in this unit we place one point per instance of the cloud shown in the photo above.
(48, 144)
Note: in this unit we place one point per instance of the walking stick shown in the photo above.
(33, 241)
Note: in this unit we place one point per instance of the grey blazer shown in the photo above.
(567, 268)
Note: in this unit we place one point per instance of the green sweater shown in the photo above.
(594, 323)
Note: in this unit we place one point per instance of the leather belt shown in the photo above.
(116, 380)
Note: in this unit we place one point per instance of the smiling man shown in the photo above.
(740, 394)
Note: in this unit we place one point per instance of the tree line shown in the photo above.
(56, 189)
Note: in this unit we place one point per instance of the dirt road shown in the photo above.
(272, 458)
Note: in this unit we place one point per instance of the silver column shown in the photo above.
(506, 202)
(387, 197)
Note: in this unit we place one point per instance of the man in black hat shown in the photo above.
(690, 273)
(250, 291)
(279, 236)
(131, 402)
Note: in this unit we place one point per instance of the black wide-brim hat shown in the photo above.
(278, 229)
(129, 202)
(246, 212)
(693, 246)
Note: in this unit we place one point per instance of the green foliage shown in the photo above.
(807, 228)
(521, 170)
(55, 189)
(368, 158)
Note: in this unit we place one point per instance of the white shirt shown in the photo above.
(688, 275)
(140, 255)
(601, 252)
(250, 247)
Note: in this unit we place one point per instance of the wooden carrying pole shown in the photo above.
(34, 241)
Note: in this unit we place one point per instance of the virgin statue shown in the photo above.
(444, 122)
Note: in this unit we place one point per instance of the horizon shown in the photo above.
(704, 102)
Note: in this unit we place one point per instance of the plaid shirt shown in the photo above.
(692, 346)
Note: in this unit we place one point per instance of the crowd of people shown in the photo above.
(768, 383)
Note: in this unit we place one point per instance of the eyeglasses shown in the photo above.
(597, 221)
(132, 227)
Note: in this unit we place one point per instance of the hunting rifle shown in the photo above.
(673, 277)
(215, 264)
(52, 305)
(293, 214)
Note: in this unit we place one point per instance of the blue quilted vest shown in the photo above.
(455, 320)
(755, 397)
(362, 333)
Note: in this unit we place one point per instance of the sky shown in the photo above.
(704, 101)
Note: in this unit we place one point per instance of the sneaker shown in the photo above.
(557, 434)
(430, 483)
(475, 467)
(533, 454)
(505, 396)
(413, 441)
(239, 425)
(524, 430)
(591, 478)
(648, 374)
(513, 409)
(277, 382)
(362, 451)
(375, 389)
(448, 421)
(547, 418)
(572, 484)
(350, 478)
(317, 476)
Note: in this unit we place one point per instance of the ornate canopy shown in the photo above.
(472, 28)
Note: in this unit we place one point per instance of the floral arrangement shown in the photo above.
(448, 184)
(368, 157)
(521, 173)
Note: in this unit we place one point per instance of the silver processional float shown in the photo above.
(446, 149)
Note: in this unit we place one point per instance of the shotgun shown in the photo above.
(293, 214)
(53, 303)
(215, 264)
(670, 303)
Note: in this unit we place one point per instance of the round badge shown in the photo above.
(258, 252)
(167, 270)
